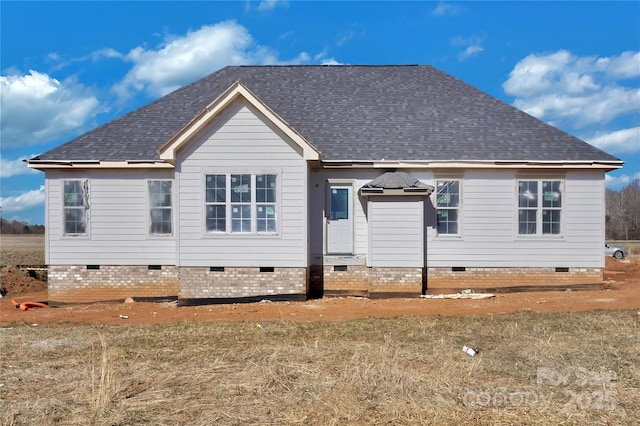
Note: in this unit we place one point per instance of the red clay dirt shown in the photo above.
(621, 290)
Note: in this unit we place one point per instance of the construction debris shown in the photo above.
(459, 296)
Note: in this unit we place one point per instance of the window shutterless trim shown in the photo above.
(76, 201)
(151, 207)
(457, 209)
(532, 213)
(259, 214)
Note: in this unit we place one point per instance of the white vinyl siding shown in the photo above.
(241, 142)
(317, 211)
(396, 232)
(490, 224)
(488, 220)
(118, 222)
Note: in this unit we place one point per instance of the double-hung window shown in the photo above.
(266, 203)
(241, 203)
(160, 201)
(539, 207)
(215, 201)
(76, 205)
(447, 206)
(241, 195)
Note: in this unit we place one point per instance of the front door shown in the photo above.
(340, 220)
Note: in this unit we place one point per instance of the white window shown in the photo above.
(539, 207)
(76, 205)
(266, 203)
(241, 196)
(215, 203)
(241, 203)
(447, 206)
(160, 206)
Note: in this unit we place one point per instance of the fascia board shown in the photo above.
(479, 164)
(53, 165)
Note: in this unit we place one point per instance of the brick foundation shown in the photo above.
(241, 283)
(360, 280)
(78, 284)
(384, 282)
(345, 280)
(446, 278)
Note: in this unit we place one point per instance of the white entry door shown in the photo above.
(340, 219)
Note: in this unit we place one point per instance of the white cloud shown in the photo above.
(470, 51)
(565, 88)
(9, 168)
(22, 202)
(619, 141)
(271, 4)
(106, 52)
(627, 65)
(346, 36)
(330, 61)
(183, 59)
(472, 46)
(59, 62)
(36, 108)
(447, 9)
(581, 110)
(618, 182)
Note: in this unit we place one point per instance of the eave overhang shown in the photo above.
(97, 164)
(237, 90)
(473, 164)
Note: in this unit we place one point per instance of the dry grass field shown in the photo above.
(21, 250)
(272, 364)
(532, 368)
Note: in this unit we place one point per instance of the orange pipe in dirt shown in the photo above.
(24, 306)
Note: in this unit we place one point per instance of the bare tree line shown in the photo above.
(17, 227)
(623, 212)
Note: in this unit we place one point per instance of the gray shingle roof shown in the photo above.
(358, 113)
(396, 180)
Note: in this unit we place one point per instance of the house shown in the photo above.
(282, 182)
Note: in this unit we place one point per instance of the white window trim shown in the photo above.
(86, 191)
(459, 208)
(228, 204)
(172, 208)
(539, 209)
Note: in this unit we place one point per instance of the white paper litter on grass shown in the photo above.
(459, 296)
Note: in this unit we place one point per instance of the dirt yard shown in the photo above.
(620, 291)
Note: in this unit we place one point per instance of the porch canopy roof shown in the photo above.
(396, 183)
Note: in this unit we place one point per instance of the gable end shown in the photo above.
(168, 151)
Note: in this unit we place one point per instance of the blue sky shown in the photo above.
(67, 67)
